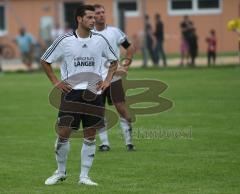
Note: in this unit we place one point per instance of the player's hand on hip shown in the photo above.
(126, 62)
(64, 86)
(103, 85)
(121, 71)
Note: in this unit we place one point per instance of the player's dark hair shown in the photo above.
(185, 17)
(212, 32)
(97, 6)
(157, 16)
(81, 11)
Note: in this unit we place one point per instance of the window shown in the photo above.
(182, 7)
(206, 4)
(129, 7)
(123, 9)
(3, 29)
(182, 4)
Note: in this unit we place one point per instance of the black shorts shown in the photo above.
(81, 105)
(114, 93)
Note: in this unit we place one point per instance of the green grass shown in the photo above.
(206, 101)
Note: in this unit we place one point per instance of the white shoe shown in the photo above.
(56, 177)
(87, 181)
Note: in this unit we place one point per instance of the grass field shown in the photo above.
(206, 104)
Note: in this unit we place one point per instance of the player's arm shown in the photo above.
(52, 54)
(111, 71)
(126, 62)
(110, 55)
(53, 78)
(130, 49)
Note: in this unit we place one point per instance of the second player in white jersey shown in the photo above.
(115, 38)
(115, 93)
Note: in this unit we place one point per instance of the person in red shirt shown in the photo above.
(212, 47)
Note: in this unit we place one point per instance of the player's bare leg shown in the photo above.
(125, 122)
(103, 136)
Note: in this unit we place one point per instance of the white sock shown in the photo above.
(127, 130)
(62, 148)
(87, 155)
(103, 136)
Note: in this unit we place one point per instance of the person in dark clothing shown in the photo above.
(150, 40)
(193, 46)
(159, 34)
(186, 28)
(1, 58)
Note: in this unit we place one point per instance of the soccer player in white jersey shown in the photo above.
(116, 94)
(78, 49)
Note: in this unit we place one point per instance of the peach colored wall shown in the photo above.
(30, 11)
(227, 41)
(27, 13)
(203, 23)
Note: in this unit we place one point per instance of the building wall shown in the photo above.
(28, 13)
(227, 41)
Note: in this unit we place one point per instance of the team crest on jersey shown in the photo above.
(84, 46)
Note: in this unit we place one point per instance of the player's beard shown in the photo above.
(87, 27)
(91, 27)
(102, 21)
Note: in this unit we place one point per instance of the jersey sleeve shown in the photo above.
(121, 37)
(54, 52)
(108, 51)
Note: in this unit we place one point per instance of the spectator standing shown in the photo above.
(150, 40)
(159, 34)
(0, 58)
(186, 27)
(211, 47)
(193, 46)
(46, 26)
(25, 43)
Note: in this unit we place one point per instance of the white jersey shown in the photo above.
(79, 55)
(115, 38)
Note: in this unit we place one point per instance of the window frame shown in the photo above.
(131, 13)
(195, 9)
(5, 30)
